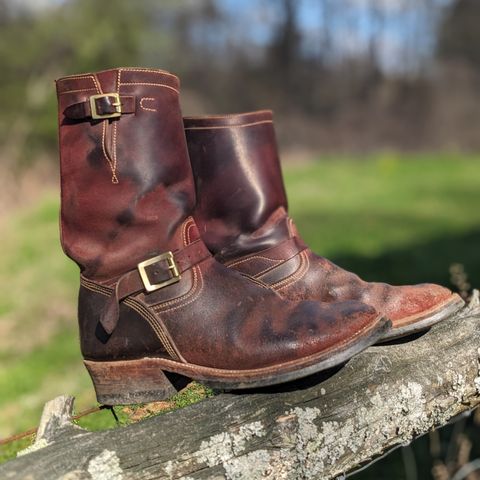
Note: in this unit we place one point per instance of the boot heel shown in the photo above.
(125, 382)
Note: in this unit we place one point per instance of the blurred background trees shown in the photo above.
(379, 99)
(349, 75)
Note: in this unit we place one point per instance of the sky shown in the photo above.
(354, 26)
(352, 30)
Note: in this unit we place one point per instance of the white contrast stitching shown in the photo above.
(159, 72)
(148, 109)
(229, 126)
(259, 257)
(139, 308)
(192, 299)
(272, 267)
(107, 157)
(152, 85)
(97, 83)
(79, 90)
(295, 276)
(159, 306)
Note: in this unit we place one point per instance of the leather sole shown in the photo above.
(425, 321)
(153, 379)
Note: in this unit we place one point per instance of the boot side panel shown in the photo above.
(134, 337)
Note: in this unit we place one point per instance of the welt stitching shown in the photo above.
(295, 276)
(151, 84)
(230, 126)
(159, 306)
(192, 299)
(148, 109)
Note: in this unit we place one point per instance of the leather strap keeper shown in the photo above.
(106, 106)
(159, 274)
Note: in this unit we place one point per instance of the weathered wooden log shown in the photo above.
(323, 427)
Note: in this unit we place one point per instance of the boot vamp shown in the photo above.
(233, 323)
(396, 302)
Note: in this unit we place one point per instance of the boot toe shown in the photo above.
(408, 303)
(325, 329)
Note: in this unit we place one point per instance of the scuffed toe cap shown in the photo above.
(408, 303)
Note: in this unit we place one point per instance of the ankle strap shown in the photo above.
(100, 107)
(150, 275)
(283, 251)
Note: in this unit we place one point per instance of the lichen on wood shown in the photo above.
(322, 427)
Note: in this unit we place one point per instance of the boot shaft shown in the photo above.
(242, 204)
(126, 179)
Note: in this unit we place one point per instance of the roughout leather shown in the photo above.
(242, 214)
(128, 195)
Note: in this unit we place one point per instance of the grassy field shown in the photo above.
(399, 219)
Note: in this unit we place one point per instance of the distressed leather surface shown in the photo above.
(128, 195)
(120, 176)
(242, 214)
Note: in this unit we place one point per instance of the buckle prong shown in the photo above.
(117, 104)
(172, 268)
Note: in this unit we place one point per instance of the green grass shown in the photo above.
(391, 218)
(400, 219)
(9, 451)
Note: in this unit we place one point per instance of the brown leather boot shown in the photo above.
(242, 216)
(155, 307)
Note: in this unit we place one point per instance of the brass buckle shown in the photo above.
(172, 267)
(117, 104)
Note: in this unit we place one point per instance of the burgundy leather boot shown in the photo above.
(242, 216)
(155, 308)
